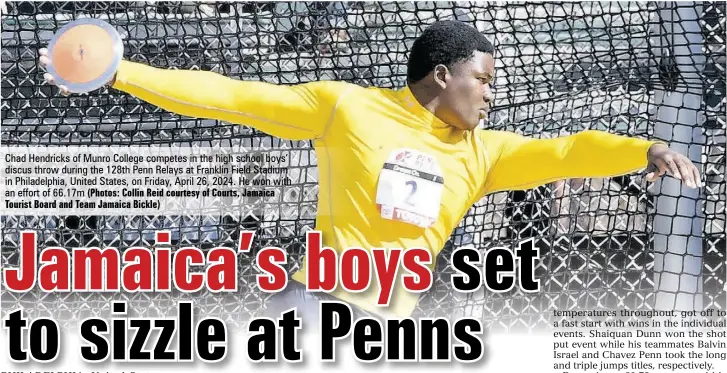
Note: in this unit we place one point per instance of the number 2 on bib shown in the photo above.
(413, 185)
(410, 188)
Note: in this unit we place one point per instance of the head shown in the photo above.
(452, 65)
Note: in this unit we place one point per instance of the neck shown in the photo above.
(426, 96)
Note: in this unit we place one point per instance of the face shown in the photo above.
(466, 96)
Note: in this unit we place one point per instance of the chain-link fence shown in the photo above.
(561, 68)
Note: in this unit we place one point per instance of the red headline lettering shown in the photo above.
(353, 270)
(189, 269)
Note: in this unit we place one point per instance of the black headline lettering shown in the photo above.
(369, 331)
(499, 268)
(210, 335)
(262, 346)
(166, 333)
(136, 350)
(212, 345)
(371, 340)
(408, 344)
(92, 331)
(131, 339)
(44, 338)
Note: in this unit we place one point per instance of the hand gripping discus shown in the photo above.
(85, 54)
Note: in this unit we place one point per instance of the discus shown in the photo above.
(84, 54)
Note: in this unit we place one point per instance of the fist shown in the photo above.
(663, 160)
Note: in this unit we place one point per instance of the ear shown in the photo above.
(441, 76)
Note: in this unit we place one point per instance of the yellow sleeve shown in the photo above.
(519, 162)
(298, 112)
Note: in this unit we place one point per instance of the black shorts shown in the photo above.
(307, 304)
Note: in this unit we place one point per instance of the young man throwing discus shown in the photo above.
(399, 168)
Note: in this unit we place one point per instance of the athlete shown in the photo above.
(399, 168)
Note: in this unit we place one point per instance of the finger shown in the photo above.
(654, 176)
(652, 167)
(49, 78)
(671, 167)
(44, 60)
(682, 164)
(655, 170)
(64, 90)
(697, 176)
(693, 173)
(652, 173)
(663, 167)
(43, 51)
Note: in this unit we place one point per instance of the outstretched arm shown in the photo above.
(297, 112)
(518, 162)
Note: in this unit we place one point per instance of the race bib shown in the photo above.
(410, 188)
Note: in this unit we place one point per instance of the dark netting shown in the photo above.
(561, 68)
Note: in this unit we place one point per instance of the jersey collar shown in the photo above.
(427, 118)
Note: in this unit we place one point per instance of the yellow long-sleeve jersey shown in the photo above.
(391, 175)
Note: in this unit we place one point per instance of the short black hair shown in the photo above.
(446, 43)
